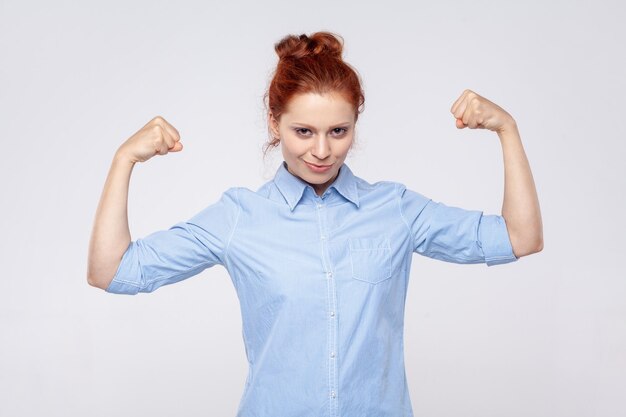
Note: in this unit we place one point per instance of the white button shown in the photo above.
(332, 314)
(323, 237)
(332, 394)
(332, 354)
(330, 274)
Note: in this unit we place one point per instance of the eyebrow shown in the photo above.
(343, 124)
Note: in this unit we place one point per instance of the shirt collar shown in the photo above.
(292, 187)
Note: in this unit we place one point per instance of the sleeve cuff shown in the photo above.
(128, 275)
(494, 240)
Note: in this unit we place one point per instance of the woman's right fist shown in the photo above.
(157, 137)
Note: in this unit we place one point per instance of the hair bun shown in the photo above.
(319, 43)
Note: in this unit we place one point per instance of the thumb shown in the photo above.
(460, 124)
(178, 146)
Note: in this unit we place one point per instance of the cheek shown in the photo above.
(344, 147)
(292, 151)
(294, 144)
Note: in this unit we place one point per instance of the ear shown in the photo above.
(273, 124)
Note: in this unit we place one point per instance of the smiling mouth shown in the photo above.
(319, 166)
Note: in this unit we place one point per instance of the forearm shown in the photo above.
(110, 235)
(520, 207)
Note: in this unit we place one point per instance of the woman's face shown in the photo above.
(315, 129)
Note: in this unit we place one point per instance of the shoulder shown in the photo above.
(407, 198)
(379, 192)
(246, 197)
(366, 186)
(394, 189)
(231, 196)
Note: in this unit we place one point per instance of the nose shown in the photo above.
(321, 147)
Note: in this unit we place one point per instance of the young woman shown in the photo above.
(319, 257)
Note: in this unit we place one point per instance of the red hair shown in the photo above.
(311, 64)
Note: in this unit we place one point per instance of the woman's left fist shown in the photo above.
(474, 111)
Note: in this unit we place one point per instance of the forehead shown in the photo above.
(319, 108)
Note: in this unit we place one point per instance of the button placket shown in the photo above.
(332, 325)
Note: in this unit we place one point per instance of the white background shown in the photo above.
(544, 336)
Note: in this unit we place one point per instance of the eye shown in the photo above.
(303, 131)
(300, 129)
(342, 130)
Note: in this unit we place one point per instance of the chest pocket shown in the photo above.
(370, 258)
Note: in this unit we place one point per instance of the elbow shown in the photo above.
(525, 246)
(91, 279)
(95, 282)
(526, 238)
(538, 241)
(529, 248)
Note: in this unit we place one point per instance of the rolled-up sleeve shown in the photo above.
(184, 250)
(454, 234)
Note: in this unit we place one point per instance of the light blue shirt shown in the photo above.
(321, 283)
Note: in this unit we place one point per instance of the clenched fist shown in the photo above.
(474, 111)
(157, 137)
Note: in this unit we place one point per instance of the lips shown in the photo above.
(318, 169)
(319, 166)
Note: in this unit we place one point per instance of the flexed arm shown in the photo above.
(110, 235)
(520, 207)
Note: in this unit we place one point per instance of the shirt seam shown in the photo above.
(411, 237)
(232, 233)
(122, 281)
(399, 200)
(199, 266)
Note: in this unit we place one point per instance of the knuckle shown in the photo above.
(157, 129)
